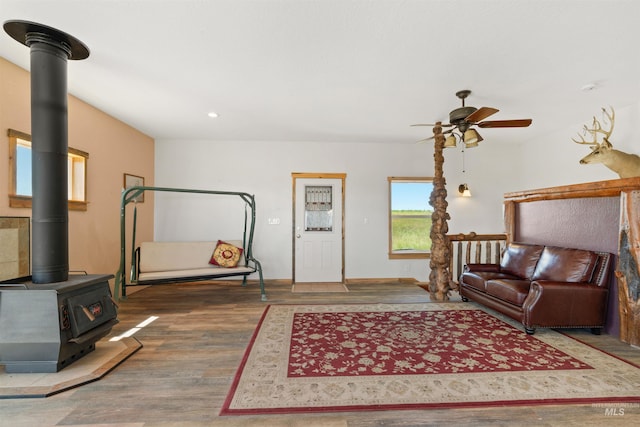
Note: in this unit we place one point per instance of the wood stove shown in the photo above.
(51, 319)
(44, 328)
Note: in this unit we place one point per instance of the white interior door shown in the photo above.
(318, 230)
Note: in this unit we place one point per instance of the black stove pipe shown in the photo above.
(49, 49)
(49, 160)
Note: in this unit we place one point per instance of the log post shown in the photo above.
(439, 277)
(510, 220)
(627, 270)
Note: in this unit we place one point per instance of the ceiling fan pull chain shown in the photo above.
(463, 167)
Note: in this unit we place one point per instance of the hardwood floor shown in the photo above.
(191, 352)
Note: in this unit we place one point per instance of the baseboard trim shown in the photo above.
(369, 280)
(350, 281)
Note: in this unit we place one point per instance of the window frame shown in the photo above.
(74, 155)
(413, 254)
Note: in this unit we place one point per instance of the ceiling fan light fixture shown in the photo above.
(450, 141)
(471, 145)
(471, 138)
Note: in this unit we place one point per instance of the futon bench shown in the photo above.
(171, 262)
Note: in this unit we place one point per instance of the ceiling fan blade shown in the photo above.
(425, 140)
(433, 137)
(521, 123)
(444, 125)
(481, 114)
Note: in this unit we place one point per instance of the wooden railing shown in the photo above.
(474, 248)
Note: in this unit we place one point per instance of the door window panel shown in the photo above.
(318, 208)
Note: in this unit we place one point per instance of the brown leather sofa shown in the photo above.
(543, 286)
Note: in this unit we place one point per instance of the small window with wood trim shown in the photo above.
(20, 189)
(410, 217)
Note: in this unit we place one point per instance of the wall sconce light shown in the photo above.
(463, 189)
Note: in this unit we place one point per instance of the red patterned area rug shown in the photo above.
(313, 358)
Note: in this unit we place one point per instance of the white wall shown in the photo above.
(489, 175)
(553, 160)
(264, 169)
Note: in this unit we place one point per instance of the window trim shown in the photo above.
(405, 255)
(21, 201)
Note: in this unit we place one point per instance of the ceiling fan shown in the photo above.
(464, 118)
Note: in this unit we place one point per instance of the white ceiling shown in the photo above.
(342, 70)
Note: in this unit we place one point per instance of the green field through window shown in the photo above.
(411, 230)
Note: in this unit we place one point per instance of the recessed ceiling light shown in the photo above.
(213, 114)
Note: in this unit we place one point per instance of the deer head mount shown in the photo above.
(624, 164)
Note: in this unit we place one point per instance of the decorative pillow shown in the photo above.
(225, 255)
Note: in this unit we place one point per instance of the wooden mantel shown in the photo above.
(627, 270)
(589, 189)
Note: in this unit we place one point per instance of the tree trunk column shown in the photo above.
(439, 277)
(628, 268)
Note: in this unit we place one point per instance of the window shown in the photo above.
(409, 217)
(20, 173)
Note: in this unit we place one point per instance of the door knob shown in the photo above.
(298, 236)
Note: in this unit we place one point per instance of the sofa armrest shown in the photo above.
(555, 304)
(493, 268)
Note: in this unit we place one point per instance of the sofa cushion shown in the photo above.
(520, 259)
(478, 279)
(172, 256)
(565, 265)
(510, 290)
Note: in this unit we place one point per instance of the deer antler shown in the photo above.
(596, 128)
